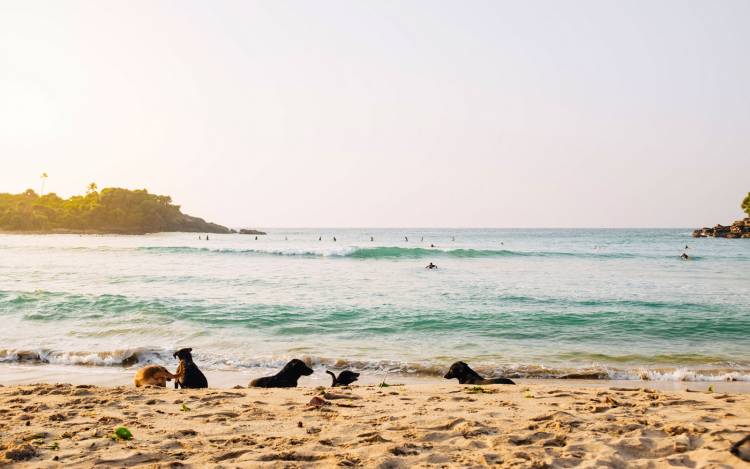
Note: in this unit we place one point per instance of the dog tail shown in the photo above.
(333, 378)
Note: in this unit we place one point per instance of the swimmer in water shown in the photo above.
(199, 237)
(334, 239)
(320, 238)
(453, 238)
(372, 239)
(432, 245)
(684, 256)
(406, 238)
(431, 266)
(256, 238)
(422, 240)
(206, 237)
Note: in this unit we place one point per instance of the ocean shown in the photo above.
(525, 303)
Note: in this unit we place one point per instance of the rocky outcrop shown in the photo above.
(191, 224)
(738, 229)
(251, 232)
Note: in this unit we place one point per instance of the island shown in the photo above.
(738, 229)
(112, 210)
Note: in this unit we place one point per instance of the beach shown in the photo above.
(538, 424)
(624, 354)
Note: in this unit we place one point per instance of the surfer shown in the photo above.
(431, 266)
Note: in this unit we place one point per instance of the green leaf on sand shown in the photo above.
(122, 433)
(184, 408)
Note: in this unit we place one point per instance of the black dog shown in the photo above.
(188, 375)
(286, 378)
(466, 375)
(345, 378)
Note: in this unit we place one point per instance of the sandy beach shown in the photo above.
(415, 425)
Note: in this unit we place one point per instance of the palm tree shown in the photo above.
(91, 188)
(43, 177)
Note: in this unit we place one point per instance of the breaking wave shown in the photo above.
(385, 252)
(128, 358)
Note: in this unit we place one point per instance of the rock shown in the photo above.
(738, 229)
(251, 232)
(21, 453)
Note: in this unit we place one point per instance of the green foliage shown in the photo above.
(746, 204)
(111, 210)
(122, 433)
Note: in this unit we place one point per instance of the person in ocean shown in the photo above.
(320, 238)
(684, 256)
(406, 238)
(432, 245)
(372, 238)
(431, 266)
(206, 237)
(334, 239)
(200, 237)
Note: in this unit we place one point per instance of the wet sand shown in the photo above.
(539, 424)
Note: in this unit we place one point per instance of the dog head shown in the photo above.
(297, 368)
(184, 354)
(461, 371)
(347, 377)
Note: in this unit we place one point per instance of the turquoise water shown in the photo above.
(528, 303)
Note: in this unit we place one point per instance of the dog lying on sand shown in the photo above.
(466, 375)
(188, 375)
(153, 375)
(286, 378)
(345, 378)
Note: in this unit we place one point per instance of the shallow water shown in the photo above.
(616, 304)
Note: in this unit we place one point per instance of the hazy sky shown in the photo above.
(386, 113)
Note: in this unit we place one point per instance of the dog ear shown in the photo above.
(189, 350)
(175, 354)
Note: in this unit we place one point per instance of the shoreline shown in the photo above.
(13, 374)
(446, 425)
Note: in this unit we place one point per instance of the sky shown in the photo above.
(386, 113)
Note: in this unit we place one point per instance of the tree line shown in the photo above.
(111, 210)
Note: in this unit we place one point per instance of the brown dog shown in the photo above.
(153, 375)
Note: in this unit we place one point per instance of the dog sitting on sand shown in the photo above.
(188, 375)
(345, 378)
(153, 375)
(286, 378)
(466, 375)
